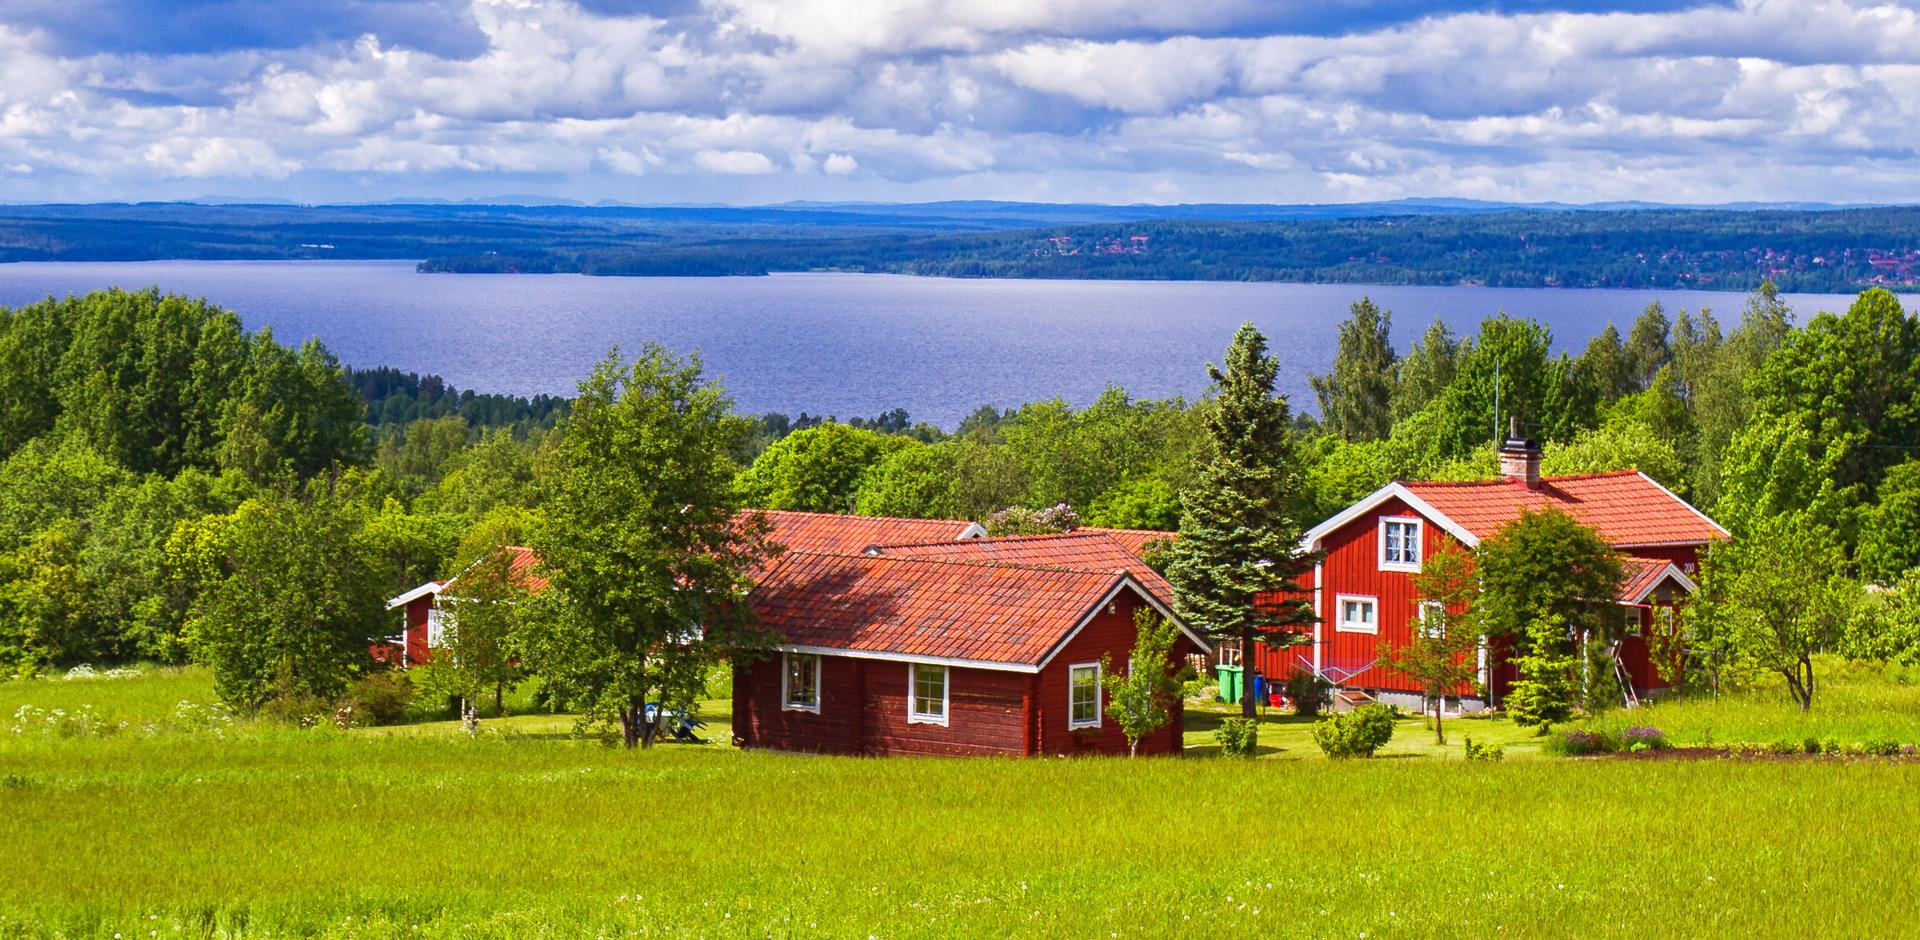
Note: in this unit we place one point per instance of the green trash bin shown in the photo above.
(1230, 679)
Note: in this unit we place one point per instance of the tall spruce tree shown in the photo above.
(1355, 398)
(1236, 565)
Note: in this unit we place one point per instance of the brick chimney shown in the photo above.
(1520, 457)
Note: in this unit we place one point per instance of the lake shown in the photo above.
(840, 344)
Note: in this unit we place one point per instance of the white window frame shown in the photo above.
(914, 715)
(786, 677)
(1340, 602)
(1427, 609)
(437, 623)
(1078, 723)
(1414, 543)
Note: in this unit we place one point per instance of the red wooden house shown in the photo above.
(1362, 586)
(884, 654)
(422, 621)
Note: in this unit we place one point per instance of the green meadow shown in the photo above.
(190, 826)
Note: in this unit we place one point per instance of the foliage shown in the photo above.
(1138, 701)
(818, 469)
(379, 698)
(1885, 625)
(639, 539)
(914, 482)
(1309, 693)
(1238, 737)
(485, 609)
(1580, 742)
(1545, 691)
(1545, 564)
(1358, 733)
(1480, 751)
(1890, 530)
(1240, 535)
(1137, 502)
(1355, 398)
(1775, 597)
(288, 606)
(1441, 654)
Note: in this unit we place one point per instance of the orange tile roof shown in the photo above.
(521, 568)
(1083, 549)
(1011, 614)
(831, 532)
(1136, 540)
(1626, 508)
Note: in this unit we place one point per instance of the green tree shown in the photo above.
(1236, 565)
(648, 567)
(913, 482)
(1424, 373)
(1549, 583)
(1619, 444)
(1647, 350)
(1717, 395)
(1602, 372)
(1835, 408)
(817, 469)
(287, 606)
(1442, 653)
(1774, 597)
(1140, 700)
(1355, 398)
(1890, 529)
(1144, 501)
(1508, 366)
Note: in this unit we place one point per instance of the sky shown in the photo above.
(758, 101)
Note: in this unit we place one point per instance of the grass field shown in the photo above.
(265, 831)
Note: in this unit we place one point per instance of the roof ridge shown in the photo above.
(848, 515)
(1002, 539)
(966, 562)
(1500, 480)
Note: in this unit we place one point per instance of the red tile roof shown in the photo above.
(1642, 574)
(1626, 508)
(1136, 540)
(849, 535)
(521, 568)
(1082, 549)
(1011, 614)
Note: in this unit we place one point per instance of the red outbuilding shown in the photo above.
(1363, 585)
(883, 654)
(422, 620)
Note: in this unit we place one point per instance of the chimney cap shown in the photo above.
(1517, 441)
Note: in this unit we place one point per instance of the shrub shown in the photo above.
(1783, 747)
(1831, 747)
(1309, 693)
(1358, 733)
(1580, 742)
(1644, 738)
(1811, 745)
(297, 708)
(1483, 752)
(1237, 737)
(1880, 748)
(380, 699)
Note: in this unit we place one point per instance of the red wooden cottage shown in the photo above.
(887, 654)
(1363, 590)
(422, 621)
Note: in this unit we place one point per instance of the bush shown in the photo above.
(1484, 752)
(1237, 737)
(379, 699)
(1358, 733)
(1309, 693)
(1880, 748)
(297, 708)
(1580, 742)
(1783, 748)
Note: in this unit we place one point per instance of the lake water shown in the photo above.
(841, 344)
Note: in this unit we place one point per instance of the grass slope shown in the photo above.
(266, 831)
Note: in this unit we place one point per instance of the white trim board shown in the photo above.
(431, 587)
(1395, 490)
(1670, 571)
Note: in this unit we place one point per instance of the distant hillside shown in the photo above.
(1422, 241)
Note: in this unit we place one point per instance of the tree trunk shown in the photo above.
(499, 691)
(630, 724)
(1439, 733)
(1246, 674)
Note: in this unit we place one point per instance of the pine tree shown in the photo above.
(1237, 563)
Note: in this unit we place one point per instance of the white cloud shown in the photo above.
(733, 162)
(839, 164)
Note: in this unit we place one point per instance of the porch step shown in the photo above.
(1347, 700)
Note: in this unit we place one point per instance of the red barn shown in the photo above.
(1363, 590)
(904, 655)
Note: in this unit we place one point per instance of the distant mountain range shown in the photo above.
(1807, 246)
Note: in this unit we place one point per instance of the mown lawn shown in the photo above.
(266, 831)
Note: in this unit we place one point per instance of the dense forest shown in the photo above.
(1412, 242)
(173, 487)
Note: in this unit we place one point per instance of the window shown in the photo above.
(800, 683)
(926, 694)
(1227, 653)
(437, 623)
(1399, 544)
(1433, 619)
(1083, 695)
(1356, 615)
